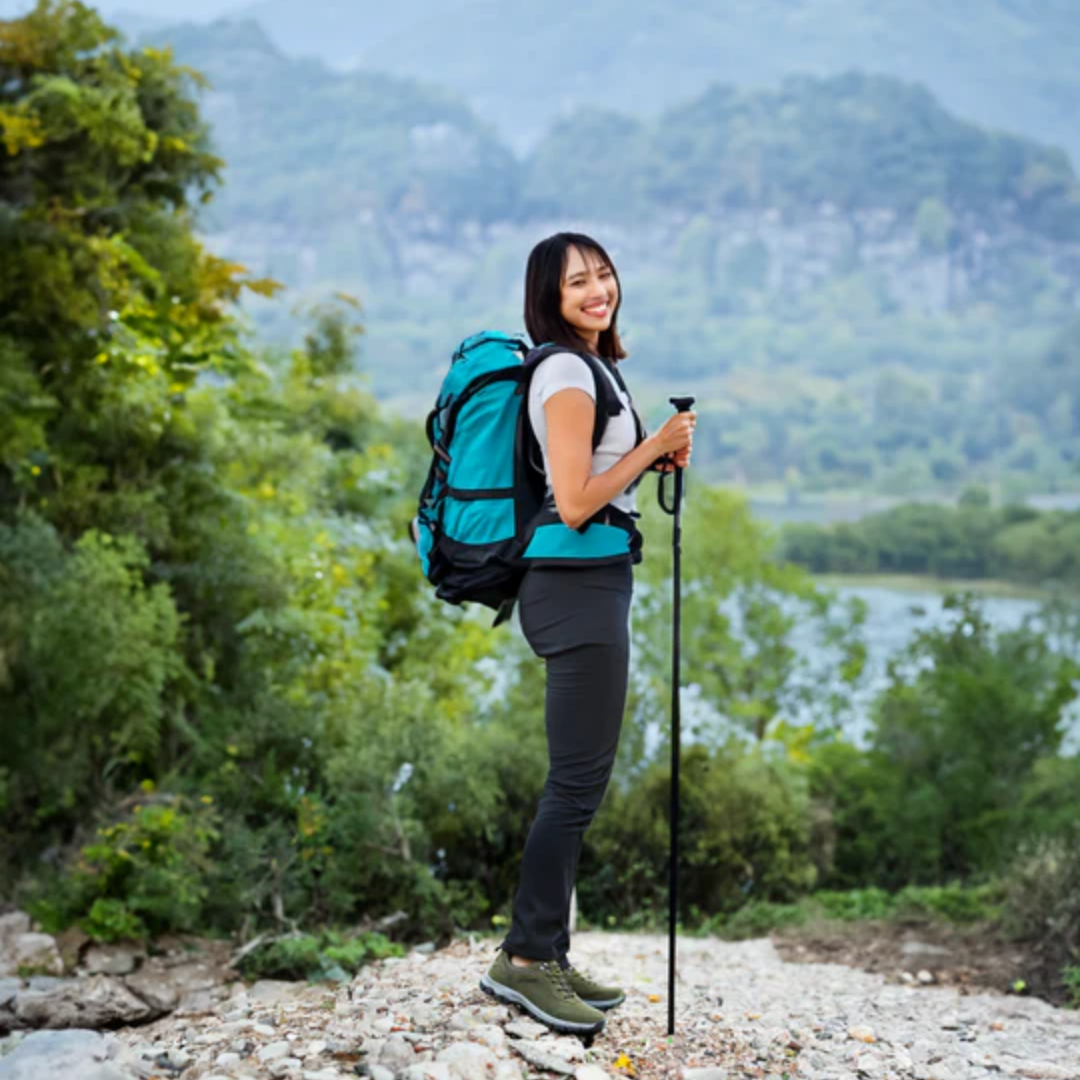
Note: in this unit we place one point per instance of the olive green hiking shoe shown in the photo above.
(542, 990)
(592, 992)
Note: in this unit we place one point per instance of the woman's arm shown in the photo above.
(578, 495)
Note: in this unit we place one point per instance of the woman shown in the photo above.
(575, 614)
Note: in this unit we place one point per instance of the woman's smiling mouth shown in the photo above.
(597, 311)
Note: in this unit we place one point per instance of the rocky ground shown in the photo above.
(742, 1012)
(971, 957)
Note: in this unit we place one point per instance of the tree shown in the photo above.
(109, 308)
(966, 716)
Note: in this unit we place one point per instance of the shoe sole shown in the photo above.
(512, 997)
(609, 1004)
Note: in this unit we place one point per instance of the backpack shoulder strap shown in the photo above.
(638, 426)
(607, 401)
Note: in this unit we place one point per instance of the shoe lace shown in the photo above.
(557, 977)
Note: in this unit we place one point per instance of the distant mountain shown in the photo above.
(1012, 64)
(857, 142)
(307, 146)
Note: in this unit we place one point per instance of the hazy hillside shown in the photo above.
(306, 145)
(1009, 64)
(855, 141)
(849, 275)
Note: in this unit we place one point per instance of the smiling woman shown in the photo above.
(574, 605)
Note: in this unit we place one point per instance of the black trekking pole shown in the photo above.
(682, 404)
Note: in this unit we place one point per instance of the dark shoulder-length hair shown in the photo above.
(543, 296)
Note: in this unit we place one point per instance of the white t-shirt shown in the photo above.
(561, 371)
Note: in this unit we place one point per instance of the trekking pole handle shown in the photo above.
(683, 403)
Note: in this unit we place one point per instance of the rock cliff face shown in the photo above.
(933, 267)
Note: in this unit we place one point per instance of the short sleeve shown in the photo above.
(563, 371)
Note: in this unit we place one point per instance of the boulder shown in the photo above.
(36, 952)
(155, 988)
(96, 1002)
(8, 989)
(119, 959)
(538, 1054)
(77, 1053)
(14, 923)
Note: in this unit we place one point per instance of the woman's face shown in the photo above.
(590, 294)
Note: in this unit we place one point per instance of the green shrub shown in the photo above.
(90, 666)
(111, 920)
(1042, 904)
(745, 835)
(328, 955)
(1070, 976)
(967, 715)
(852, 790)
(1070, 979)
(857, 904)
(758, 919)
(1049, 803)
(953, 903)
(145, 875)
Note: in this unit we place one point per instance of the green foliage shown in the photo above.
(109, 308)
(934, 224)
(1049, 803)
(965, 718)
(744, 833)
(109, 920)
(962, 762)
(853, 792)
(871, 903)
(328, 955)
(971, 540)
(145, 875)
(758, 918)
(1043, 901)
(750, 615)
(949, 902)
(1070, 978)
(92, 669)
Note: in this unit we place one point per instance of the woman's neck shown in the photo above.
(592, 343)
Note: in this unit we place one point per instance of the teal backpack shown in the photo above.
(483, 515)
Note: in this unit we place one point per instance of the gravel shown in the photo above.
(424, 1017)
